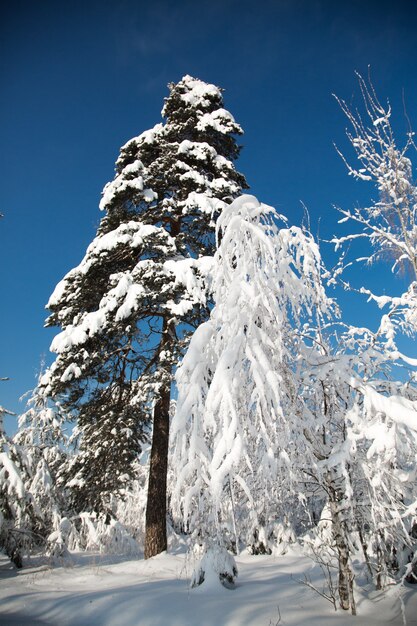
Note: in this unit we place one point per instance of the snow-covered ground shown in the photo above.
(101, 591)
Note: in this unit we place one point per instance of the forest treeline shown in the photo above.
(205, 382)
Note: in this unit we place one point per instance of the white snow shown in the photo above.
(221, 120)
(199, 91)
(95, 590)
(10, 477)
(198, 150)
(120, 184)
(148, 136)
(72, 371)
(204, 203)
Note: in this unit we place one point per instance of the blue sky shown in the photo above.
(80, 78)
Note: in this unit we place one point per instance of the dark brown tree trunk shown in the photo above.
(156, 506)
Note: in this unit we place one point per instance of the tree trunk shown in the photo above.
(156, 506)
(344, 574)
(340, 538)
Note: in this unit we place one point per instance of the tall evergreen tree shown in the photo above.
(125, 310)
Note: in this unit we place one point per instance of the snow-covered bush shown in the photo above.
(130, 508)
(92, 533)
(217, 566)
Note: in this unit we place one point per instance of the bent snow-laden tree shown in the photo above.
(237, 434)
(124, 309)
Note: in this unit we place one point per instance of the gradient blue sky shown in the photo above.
(80, 78)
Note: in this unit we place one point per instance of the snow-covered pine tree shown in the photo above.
(237, 433)
(17, 518)
(42, 443)
(124, 309)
